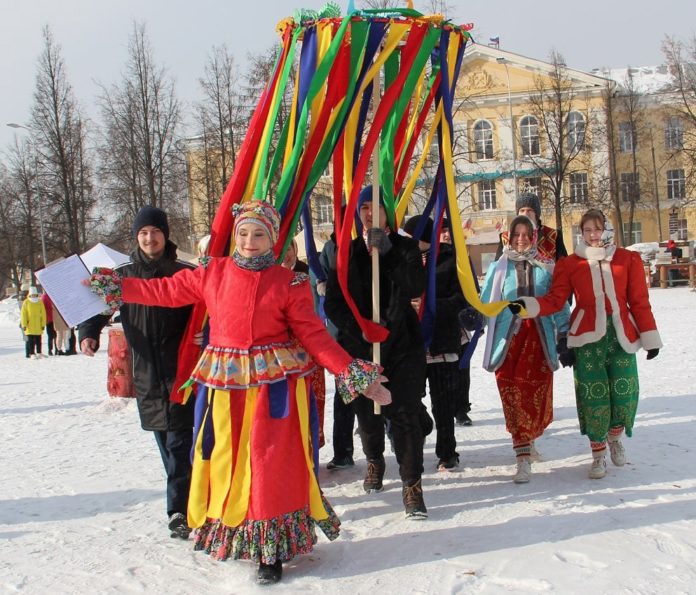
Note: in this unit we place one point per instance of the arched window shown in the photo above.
(529, 135)
(576, 132)
(483, 139)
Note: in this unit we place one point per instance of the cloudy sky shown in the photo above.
(93, 36)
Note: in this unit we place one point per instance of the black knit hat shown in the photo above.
(411, 225)
(150, 215)
(530, 201)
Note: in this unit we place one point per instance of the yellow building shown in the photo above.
(507, 103)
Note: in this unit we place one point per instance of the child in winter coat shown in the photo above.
(523, 353)
(611, 321)
(33, 322)
(254, 488)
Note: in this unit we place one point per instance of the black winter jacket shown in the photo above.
(153, 334)
(402, 278)
(449, 300)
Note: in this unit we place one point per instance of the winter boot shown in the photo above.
(616, 449)
(534, 454)
(524, 470)
(269, 574)
(599, 466)
(178, 527)
(375, 473)
(448, 464)
(414, 506)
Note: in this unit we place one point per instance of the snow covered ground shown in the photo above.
(82, 495)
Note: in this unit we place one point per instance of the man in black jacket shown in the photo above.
(444, 377)
(402, 278)
(154, 335)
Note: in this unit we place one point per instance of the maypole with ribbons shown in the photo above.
(338, 73)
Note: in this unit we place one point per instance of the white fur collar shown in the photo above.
(595, 253)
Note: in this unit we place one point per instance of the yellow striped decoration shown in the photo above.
(200, 477)
(237, 507)
(222, 457)
(316, 506)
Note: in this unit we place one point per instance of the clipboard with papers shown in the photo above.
(62, 281)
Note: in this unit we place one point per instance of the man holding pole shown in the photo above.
(402, 354)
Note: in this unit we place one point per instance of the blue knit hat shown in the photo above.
(366, 196)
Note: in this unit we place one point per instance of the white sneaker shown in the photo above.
(599, 467)
(524, 471)
(617, 452)
(534, 454)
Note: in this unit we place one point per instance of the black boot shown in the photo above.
(414, 506)
(375, 474)
(269, 574)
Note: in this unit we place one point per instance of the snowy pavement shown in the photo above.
(82, 495)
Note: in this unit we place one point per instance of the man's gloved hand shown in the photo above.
(515, 306)
(652, 353)
(470, 318)
(378, 238)
(565, 355)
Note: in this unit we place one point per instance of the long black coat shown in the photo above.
(449, 300)
(402, 278)
(153, 334)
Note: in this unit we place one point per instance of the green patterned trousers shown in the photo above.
(606, 386)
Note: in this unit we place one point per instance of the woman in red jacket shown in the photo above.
(254, 490)
(611, 320)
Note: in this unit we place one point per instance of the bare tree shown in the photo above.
(19, 244)
(141, 161)
(551, 142)
(220, 129)
(59, 136)
(630, 128)
(680, 57)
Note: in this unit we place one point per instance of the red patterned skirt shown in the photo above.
(525, 383)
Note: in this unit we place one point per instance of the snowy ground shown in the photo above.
(82, 506)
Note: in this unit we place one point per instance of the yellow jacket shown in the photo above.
(33, 317)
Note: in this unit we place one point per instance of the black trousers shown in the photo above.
(32, 345)
(343, 422)
(406, 376)
(51, 335)
(175, 448)
(444, 382)
(463, 403)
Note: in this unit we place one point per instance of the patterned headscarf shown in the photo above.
(260, 213)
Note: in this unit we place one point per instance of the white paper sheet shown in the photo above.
(62, 281)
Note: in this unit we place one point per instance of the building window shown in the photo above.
(629, 187)
(627, 137)
(529, 135)
(676, 183)
(578, 188)
(636, 233)
(576, 234)
(532, 185)
(486, 195)
(674, 134)
(483, 139)
(323, 210)
(679, 228)
(576, 132)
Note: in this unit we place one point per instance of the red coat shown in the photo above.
(247, 308)
(613, 285)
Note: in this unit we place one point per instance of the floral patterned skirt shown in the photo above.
(525, 383)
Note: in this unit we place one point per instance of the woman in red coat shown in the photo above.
(254, 491)
(611, 320)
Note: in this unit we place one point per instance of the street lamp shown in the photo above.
(38, 193)
(504, 62)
